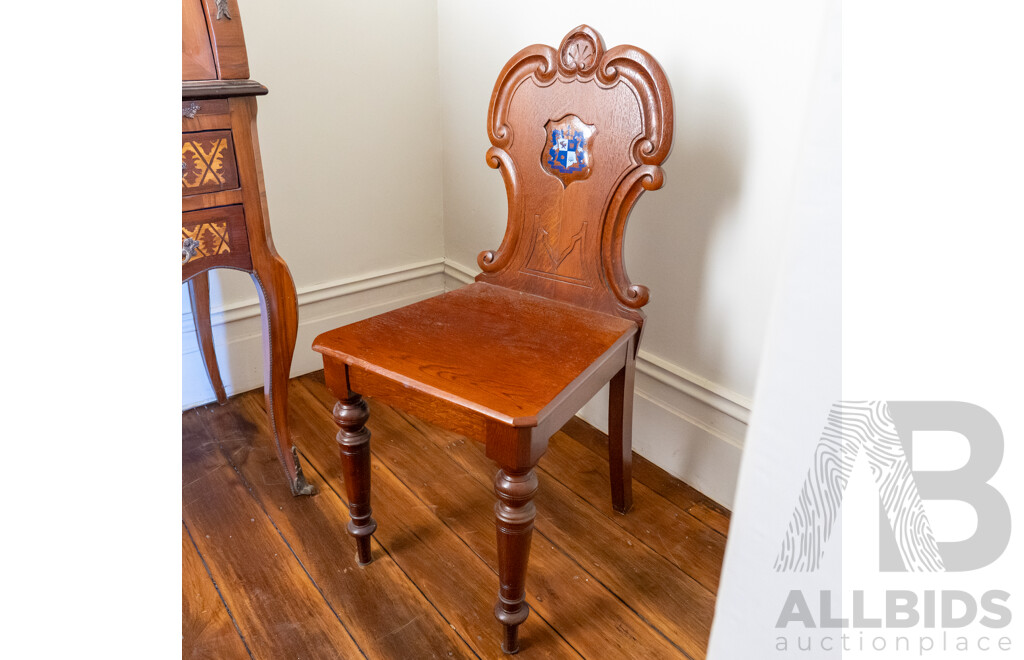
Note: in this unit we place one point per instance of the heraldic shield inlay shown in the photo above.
(568, 151)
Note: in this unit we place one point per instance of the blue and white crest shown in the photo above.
(568, 153)
(568, 149)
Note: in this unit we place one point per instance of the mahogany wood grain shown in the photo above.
(561, 591)
(501, 353)
(280, 612)
(197, 60)
(469, 423)
(620, 436)
(384, 610)
(198, 115)
(578, 133)
(228, 40)
(350, 414)
(210, 200)
(515, 514)
(199, 296)
(207, 630)
(428, 552)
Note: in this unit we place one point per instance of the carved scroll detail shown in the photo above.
(494, 260)
(537, 62)
(645, 177)
(647, 80)
(644, 76)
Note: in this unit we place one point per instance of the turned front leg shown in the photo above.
(515, 513)
(351, 415)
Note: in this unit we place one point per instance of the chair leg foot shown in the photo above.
(510, 640)
(515, 513)
(510, 625)
(362, 536)
(353, 439)
(299, 485)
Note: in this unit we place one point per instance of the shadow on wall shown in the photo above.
(670, 244)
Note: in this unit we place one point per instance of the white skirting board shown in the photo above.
(689, 427)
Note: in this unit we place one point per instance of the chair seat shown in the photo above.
(502, 353)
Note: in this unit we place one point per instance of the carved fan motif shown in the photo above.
(581, 53)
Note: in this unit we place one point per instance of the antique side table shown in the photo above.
(224, 219)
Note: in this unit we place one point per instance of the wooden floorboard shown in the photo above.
(207, 630)
(373, 601)
(277, 607)
(269, 575)
(676, 535)
(683, 495)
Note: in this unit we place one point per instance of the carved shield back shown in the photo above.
(578, 134)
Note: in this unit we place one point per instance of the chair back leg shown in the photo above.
(620, 436)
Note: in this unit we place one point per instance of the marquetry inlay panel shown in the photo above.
(210, 239)
(214, 238)
(207, 162)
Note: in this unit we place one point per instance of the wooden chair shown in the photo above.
(578, 134)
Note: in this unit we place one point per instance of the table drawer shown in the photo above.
(214, 238)
(207, 162)
(204, 115)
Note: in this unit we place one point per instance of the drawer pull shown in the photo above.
(190, 110)
(189, 247)
(222, 10)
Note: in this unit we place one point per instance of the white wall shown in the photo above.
(801, 377)
(708, 244)
(351, 157)
(373, 140)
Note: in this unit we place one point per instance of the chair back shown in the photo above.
(578, 134)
